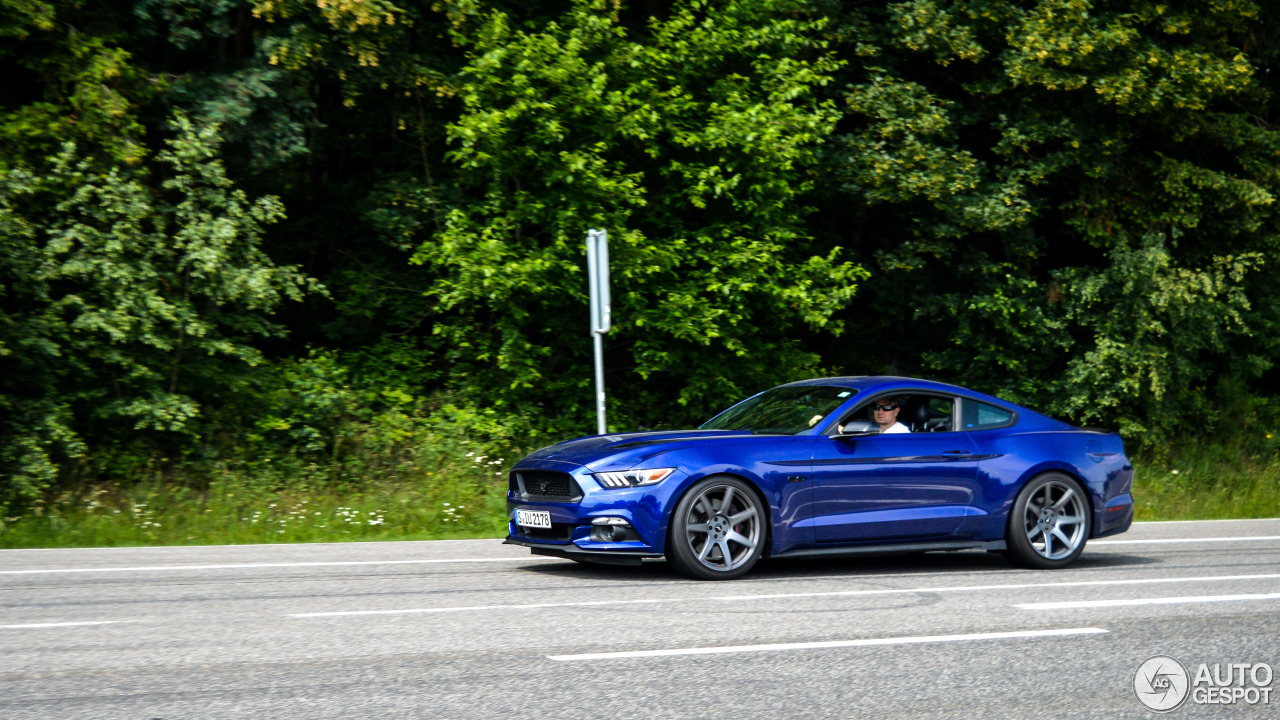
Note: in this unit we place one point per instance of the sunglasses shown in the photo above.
(886, 408)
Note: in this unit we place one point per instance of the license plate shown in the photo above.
(534, 519)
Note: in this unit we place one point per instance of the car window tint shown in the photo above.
(939, 415)
(784, 410)
(978, 415)
(919, 413)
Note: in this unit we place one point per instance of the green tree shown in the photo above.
(693, 140)
(68, 78)
(1077, 194)
(125, 308)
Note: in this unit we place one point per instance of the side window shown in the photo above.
(977, 415)
(917, 413)
(939, 415)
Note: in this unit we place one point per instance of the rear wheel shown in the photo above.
(717, 530)
(1049, 523)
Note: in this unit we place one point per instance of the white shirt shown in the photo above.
(897, 427)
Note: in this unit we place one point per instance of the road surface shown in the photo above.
(475, 629)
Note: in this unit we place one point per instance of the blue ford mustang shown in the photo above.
(832, 466)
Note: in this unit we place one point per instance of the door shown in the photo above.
(889, 487)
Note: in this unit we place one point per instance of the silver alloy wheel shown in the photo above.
(723, 527)
(1054, 520)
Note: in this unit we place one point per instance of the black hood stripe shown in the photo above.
(663, 441)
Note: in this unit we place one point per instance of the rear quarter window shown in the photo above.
(976, 415)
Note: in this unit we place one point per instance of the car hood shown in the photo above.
(623, 451)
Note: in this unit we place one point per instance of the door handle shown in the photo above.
(957, 453)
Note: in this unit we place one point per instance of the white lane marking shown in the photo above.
(240, 566)
(1224, 520)
(829, 644)
(775, 596)
(1239, 538)
(335, 543)
(1010, 586)
(413, 611)
(32, 626)
(523, 558)
(1125, 602)
(1136, 523)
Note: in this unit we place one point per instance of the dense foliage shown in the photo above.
(323, 234)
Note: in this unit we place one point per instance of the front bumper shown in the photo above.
(643, 508)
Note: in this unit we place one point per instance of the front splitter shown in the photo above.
(573, 552)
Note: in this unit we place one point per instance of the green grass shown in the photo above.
(467, 500)
(234, 512)
(1207, 482)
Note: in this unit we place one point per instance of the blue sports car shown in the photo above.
(833, 466)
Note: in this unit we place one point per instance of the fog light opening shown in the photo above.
(612, 529)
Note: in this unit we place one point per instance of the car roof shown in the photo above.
(875, 384)
(878, 383)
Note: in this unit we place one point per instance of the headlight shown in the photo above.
(633, 478)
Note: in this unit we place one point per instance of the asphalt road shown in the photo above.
(475, 629)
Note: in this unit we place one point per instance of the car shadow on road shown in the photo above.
(857, 566)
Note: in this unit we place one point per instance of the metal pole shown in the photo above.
(599, 346)
(598, 282)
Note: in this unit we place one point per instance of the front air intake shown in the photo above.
(544, 486)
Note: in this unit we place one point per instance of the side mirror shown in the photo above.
(856, 428)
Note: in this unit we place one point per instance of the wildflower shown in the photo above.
(1175, 472)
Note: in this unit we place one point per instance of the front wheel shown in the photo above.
(717, 530)
(1049, 523)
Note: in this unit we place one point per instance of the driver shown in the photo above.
(885, 411)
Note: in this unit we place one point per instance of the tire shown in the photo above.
(1048, 523)
(707, 543)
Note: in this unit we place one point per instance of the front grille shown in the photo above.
(545, 485)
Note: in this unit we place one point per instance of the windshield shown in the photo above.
(782, 410)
